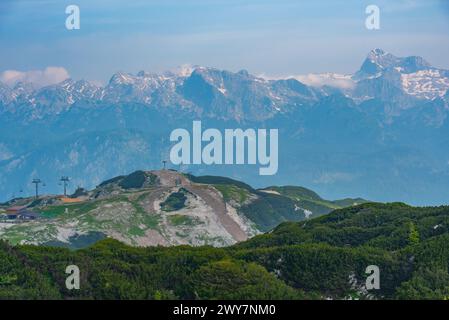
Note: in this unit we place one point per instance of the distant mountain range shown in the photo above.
(384, 135)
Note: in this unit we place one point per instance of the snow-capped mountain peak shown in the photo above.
(375, 63)
(240, 95)
(120, 78)
(382, 74)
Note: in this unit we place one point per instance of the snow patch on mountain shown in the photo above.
(426, 84)
(237, 95)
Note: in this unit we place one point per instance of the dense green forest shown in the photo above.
(320, 258)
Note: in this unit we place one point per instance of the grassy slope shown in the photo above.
(270, 209)
(310, 198)
(85, 216)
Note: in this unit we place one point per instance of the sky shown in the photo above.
(274, 38)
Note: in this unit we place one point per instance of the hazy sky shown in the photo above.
(271, 37)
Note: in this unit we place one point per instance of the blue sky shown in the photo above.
(271, 37)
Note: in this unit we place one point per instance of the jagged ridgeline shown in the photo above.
(147, 208)
(380, 132)
(320, 258)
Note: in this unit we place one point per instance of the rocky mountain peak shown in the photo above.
(379, 61)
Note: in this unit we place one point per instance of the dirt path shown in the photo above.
(208, 194)
(215, 201)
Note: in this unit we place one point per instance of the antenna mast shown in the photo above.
(65, 180)
(37, 182)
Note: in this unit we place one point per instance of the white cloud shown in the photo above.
(185, 70)
(39, 78)
(326, 79)
(336, 80)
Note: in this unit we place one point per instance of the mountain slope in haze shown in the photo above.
(240, 96)
(148, 208)
(310, 200)
(268, 207)
(384, 136)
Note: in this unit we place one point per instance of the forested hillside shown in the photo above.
(320, 258)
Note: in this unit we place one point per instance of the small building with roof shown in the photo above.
(19, 213)
(28, 215)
